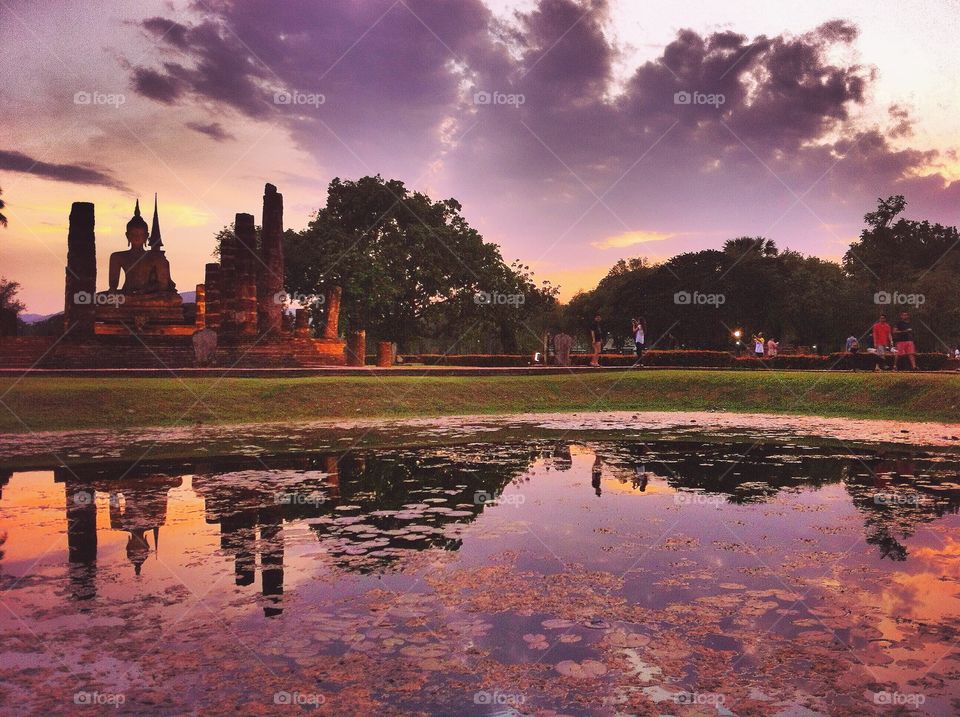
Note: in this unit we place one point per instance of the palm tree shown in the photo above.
(3, 219)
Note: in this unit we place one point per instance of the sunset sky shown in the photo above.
(585, 157)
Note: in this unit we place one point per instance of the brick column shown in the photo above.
(228, 283)
(246, 263)
(212, 293)
(270, 270)
(201, 318)
(384, 354)
(81, 273)
(357, 348)
(332, 303)
(301, 327)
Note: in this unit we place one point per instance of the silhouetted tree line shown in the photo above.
(897, 264)
(414, 271)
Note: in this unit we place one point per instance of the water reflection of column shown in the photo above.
(5, 477)
(271, 563)
(81, 538)
(238, 536)
(333, 476)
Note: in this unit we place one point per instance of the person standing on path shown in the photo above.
(597, 337)
(903, 339)
(639, 337)
(882, 340)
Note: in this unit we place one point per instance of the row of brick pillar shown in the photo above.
(242, 295)
(243, 292)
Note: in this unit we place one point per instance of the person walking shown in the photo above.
(903, 340)
(758, 343)
(597, 337)
(882, 340)
(639, 337)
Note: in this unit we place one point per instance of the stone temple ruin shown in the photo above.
(144, 323)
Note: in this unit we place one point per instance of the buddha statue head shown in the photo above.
(137, 229)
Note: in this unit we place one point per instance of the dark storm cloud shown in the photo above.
(74, 173)
(214, 130)
(394, 76)
(159, 86)
(167, 30)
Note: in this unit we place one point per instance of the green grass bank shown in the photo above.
(46, 404)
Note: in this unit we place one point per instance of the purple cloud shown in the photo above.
(214, 130)
(74, 173)
(716, 121)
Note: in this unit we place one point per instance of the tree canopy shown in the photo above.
(414, 271)
(698, 299)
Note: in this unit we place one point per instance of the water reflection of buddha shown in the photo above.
(143, 510)
(144, 271)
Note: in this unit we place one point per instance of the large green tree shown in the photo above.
(10, 307)
(414, 271)
(913, 265)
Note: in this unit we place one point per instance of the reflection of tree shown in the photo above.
(740, 473)
(894, 500)
(369, 509)
(885, 488)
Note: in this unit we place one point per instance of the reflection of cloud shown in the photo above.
(626, 239)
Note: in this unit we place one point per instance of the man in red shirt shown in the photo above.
(882, 339)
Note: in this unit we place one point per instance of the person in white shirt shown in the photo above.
(639, 337)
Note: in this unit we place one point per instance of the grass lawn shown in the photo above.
(44, 404)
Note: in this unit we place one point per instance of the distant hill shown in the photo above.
(34, 318)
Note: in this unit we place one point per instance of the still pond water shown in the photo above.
(548, 578)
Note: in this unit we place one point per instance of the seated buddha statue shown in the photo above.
(144, 271)
(148, 295)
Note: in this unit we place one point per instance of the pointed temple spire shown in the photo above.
(155, 241)
(136, 209)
